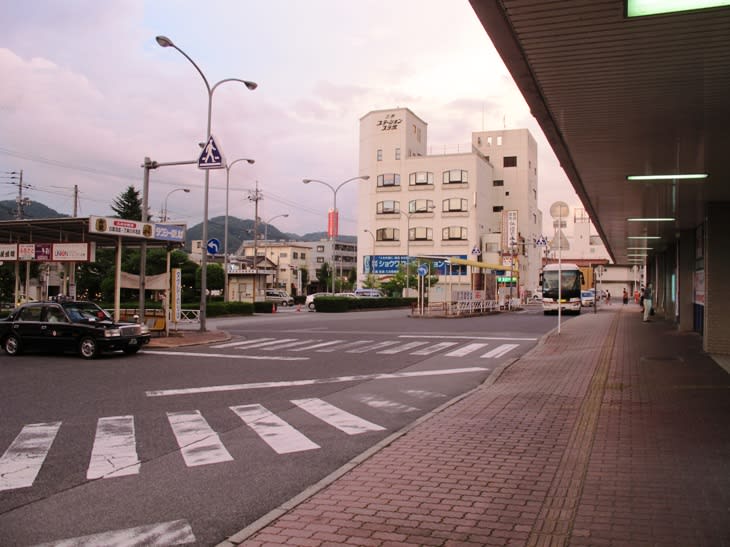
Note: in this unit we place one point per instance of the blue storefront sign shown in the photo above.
(388, 264)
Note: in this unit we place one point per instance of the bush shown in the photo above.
(333, 304)
(264, 307)
(339, 304)
(218, 309)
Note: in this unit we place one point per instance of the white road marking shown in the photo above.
(240, 343)
(373, 347)
(24, 458)
(322, 345)
(402, 347)
(433, 349)
(174, 532)
(499, 351)
(344, 346)
(199, 444)
(278, 434)
(316, 381)
(391, 407)
(225, 355)
(114, 453)
(465, 350)
(461, 337)
(269, 343)
(291, 344)
(336, 417)
(422, 394)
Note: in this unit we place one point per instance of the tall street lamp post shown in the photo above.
(333, 217)
(225, 228)
(164, 208)
(266, 241)
(163, 41)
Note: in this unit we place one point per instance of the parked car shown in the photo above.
(369, 293)
(309, 301)
(280, 297)
(70, 326)
(587, 298)
(346, 294)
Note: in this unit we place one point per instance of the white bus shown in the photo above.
(570, 283)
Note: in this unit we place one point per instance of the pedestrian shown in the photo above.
(641, 299)
(626, 297)
(608, 297)
(637, 295)
(647, 302)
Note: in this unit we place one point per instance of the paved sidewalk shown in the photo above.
(613, 433)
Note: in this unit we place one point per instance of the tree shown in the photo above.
(128, 204)
(214, 277)
(323, 277)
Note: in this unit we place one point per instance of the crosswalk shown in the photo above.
(491, 350)
(114, 452)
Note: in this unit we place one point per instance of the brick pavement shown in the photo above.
(614, 432)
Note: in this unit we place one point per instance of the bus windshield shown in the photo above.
(570, 282)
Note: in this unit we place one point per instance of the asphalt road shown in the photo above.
(188, 446)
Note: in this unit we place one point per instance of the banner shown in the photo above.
(121, 227)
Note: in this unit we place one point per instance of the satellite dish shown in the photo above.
(559, 209)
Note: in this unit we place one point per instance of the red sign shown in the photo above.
(332, 223)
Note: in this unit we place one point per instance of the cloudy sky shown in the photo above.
(87, 94)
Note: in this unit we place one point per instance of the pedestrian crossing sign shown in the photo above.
(212, 156)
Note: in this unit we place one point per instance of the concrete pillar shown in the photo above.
(717, 279)
(685, 273)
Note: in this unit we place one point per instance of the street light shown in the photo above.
(225, 228)
(333, 218)
(164, 41)
(266, 240)
(164, 208)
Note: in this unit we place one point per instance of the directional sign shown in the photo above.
(422, 270)
(213, 246)
(476, 250)
(212, 156)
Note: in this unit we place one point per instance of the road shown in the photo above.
(188, 446)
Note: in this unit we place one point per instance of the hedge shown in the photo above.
(340, 304)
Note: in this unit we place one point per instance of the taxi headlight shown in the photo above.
(108, 333)
(144, 329)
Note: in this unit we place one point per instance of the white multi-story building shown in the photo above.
(480, 204)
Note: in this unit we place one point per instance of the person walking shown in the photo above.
(626, 297)
(647, 302)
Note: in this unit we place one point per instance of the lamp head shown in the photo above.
(285, 215)
(307, 181)
(164, 41)
(366, 177)
(251, 85)
(186, 190)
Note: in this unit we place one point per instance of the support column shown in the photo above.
(685, 272)
(717, 279)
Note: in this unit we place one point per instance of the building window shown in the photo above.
(380, 154)
(389, 179)
(534, 193)
(388, 207)
(420, 178)
(283, 255)
(387, 234)
(489, 140)
(454, 205)
(509, 161)
(455, 176)
(497, 208)
(492, 247)
(420, 233)
(320, 248)
(499, 140)
(320, 260)
(420, 206)
(303, 256)
(506, 193)
(454, 232)
(397, 153)
(497, 183)
(294, 254)
(534, 218)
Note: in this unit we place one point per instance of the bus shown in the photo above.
(571, 279)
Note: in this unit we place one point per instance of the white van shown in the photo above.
(368, 293)
(280, 297)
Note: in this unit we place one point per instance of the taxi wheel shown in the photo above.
(12, 345)
(88, 348)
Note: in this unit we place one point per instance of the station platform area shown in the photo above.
(614, 432)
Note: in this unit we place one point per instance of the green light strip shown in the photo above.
(642, 8)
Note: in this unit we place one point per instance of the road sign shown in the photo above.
(213, 246)
(212, 156)
(476, 250)
(422, 270)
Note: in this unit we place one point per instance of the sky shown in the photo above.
(87, 94)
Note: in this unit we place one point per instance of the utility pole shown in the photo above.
(20, 201)
(255, 196)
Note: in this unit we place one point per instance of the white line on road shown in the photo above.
(440, 337)
(322, 345)
(114, 453)
(269, 343)
(500, 351)
(199, 444)
(344, 346)
(402, 347)
(336, 417)
(295, 344)
(175, 532)
(392, 407)
(22, 461)
(225, 355)
(278, 434)
(373, 347)
(315, 381)
(240, 343)
(465, 350)
(433, 349)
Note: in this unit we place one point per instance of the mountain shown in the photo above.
(34, 210)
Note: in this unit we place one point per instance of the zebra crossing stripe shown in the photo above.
(322, 345)
(174, 532)
(433, 349)
(374, 347)
(499, 351)
(240, 343)
(278, 434)
(199, 444)
(114, 453)
(269, 343)
(291, 344)
(466, 350)
(24, 458)
(403, 347)
(336, 417)
(345, 346)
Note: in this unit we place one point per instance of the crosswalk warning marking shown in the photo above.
(269, 343)
(322, 345)
(274, 431)
(386, 405)
(346, 346)
(433, 349)
(287, 345)
(500, 351)
(466, 350)
(336, 417)
(198, 443)
(373, 347)
(174, 532)
(240, 343)
(401, 348)
(23, 459)
(114, 453)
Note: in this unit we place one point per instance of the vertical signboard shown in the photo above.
(332, 223)
(177, 294)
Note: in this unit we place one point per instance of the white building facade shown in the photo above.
(479, 205)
